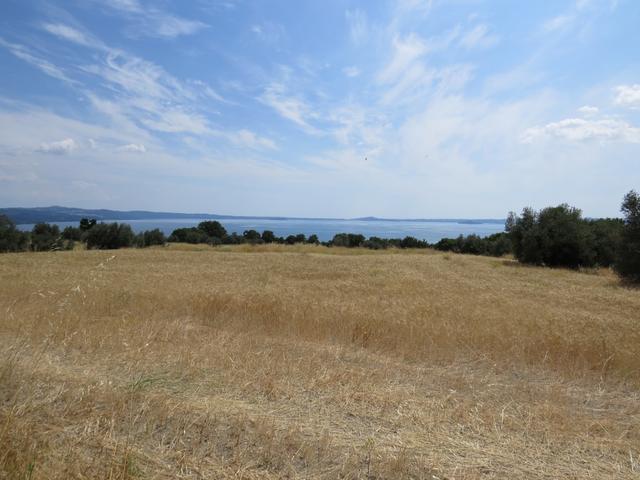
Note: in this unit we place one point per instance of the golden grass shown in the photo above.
(307, 362)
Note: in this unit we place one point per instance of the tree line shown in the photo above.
(554, 236)
(45, 237)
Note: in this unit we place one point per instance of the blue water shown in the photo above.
(325, 229)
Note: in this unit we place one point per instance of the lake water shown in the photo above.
(325, 229)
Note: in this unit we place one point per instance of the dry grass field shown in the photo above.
(308, 362)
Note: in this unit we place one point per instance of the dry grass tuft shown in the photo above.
(308, 362)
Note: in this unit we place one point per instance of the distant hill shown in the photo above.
(67, 214)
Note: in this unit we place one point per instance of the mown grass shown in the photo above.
(308, 362)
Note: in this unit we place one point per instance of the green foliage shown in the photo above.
(268, 236)
(607, 235)
(628, 262)
(412, 242)
(46, 237)
(376, 243)
(72, 233)
(150, 237)
(313, 239)
(189, 235)
(107, 236)
(349, 240)
(495, 245)
(559, 236)
(210, 232)
(11, 239)
(233, 239)
(213, 229)
(252, 236)
(87, 223)
(290, 240)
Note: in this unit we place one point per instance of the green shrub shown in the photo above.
(87, 223)
(12, 239)
(628, 261)
(72, 233)
(108, 236)
(46, 237)
(213, 229)
(555, 236)
(252, 236)
(268, 236)
(150, 237)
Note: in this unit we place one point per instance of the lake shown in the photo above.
(431, 231)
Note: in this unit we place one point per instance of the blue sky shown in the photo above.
(413, 108)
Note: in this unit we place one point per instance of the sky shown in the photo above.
(403, 109)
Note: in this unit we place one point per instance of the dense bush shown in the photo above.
(210, 232)
(412, 242)
(607, 237)
(628, 261)
(11, 239)
(349, 240)
(87, 224)
(268, 236)
(149, 238)
(559, 236)
(72, 233)
(107, 236)
(495, 245)
(46, 237)
(189, 235)
(252, 236)
(213, 229)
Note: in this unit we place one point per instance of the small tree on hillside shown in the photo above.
(268, 236)
(628, 263)
(213, 229)
(252, 236)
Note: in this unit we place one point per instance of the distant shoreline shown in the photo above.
(25, 215)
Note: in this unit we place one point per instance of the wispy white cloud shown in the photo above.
(406, 50)
(588, 110)
(27, 55)
(351, 71)
(479, 37)
(358, 25)
(581, 129)
(268, 32)
(71, 34)
(558, 23)
(408, 77)
(153, 22)
(60, 147)
(145, 98)
(248, 139)
(290, 107)
(628, 96)
(133, 148)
